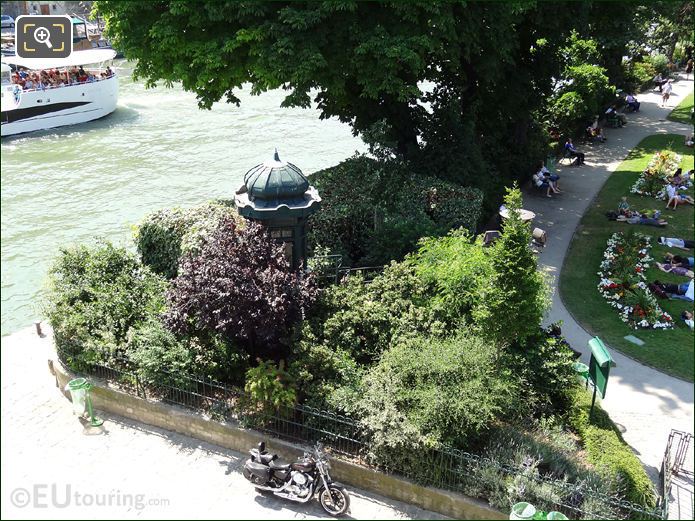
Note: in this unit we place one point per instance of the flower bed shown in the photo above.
(623, 283)
(653, 180)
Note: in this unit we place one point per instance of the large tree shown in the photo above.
(364, 62)
(360, 61)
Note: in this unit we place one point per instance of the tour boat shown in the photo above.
(37, 109)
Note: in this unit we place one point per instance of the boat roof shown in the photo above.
(75, 59)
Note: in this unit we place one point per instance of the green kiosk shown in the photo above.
(600, 365)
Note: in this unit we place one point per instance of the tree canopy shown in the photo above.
(461, 87)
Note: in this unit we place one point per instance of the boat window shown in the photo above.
(79, 31)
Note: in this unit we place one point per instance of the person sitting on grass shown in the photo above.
(680, 180)
(573, 152)
(676, 270)
(674, 198)
(675, 242)
(687, 317)
(690, 140)
(677, 260)
(624, 207)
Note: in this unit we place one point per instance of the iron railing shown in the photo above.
(674, 458)
(330, 269)
(445, 468)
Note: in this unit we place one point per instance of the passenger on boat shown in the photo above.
(52, 78)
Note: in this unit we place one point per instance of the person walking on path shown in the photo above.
(666, 92)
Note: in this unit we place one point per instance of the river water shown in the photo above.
(157, 150)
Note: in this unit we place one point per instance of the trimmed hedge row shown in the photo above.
(607, 450)
(377, 211)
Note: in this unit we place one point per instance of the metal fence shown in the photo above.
(329, 269)
(674, 458)
(471, 474)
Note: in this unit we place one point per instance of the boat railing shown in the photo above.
(72, 84)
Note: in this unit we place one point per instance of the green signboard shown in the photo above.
(600, 365)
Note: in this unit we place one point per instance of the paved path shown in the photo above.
(682, 496)
(645, 403)
(136, 470)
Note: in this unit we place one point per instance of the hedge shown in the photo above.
(162, 237)
(607, 450)
(376, 211)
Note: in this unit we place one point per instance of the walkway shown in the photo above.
(645, 403)
(131, 470)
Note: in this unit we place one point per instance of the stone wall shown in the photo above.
(232, 436)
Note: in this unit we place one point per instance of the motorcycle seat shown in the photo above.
(266, 459)
(278, 465)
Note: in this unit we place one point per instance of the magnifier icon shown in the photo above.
(43, 35)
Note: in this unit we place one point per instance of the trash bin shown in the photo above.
(78, 394)
(81, 400)
(522, 510)
(556, 515)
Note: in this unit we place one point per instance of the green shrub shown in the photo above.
(375, 211)
(270, 389)
(513, 298)
(452, 268)
(160, 358)
(96, 294)
(608, 452)
(365, 319)
(541, 461)
(351, 325)
(324, 373)
(584, 87)
(568, 109)
(638, 76)
(164, 236)
(659, 63)
(553, 449)
(544, 366)
(427, 392)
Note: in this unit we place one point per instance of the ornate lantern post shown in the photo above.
(277, 195)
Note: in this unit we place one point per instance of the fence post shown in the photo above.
(140, 387)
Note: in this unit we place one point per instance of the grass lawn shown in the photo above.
(670, 351)
(683, 111)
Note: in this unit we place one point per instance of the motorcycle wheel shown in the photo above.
(334, 500)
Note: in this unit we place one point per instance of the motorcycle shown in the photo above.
(298, 481)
